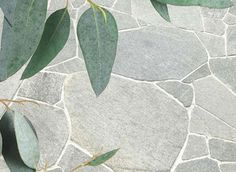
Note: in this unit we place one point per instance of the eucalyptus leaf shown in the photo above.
(55, 35)
(102, 158)
(20, 145)
(204, 3)
(98, 38)
(162, 9)
(21, 35)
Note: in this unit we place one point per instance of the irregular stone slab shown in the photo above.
(214, 44)
(124, 6)
(46, 87)
(77, 3)
(206, 124)
(51, 126)
(3, 165)
(232, 10)
(68, 67)
(214, 26)
(56, 170)
(214, 97)
(213, 13)
(199, 73)
(230, 19)
(196, 147)
(202, 165)
(225, 70)
(182, 92)
(222, 150)
(73, 157)
(148, 126)
(231, 40)
(107, 3)
(229, 167)
(171, 57)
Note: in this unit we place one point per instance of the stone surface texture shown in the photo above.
(170, 105)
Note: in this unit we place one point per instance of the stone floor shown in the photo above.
(170, 105)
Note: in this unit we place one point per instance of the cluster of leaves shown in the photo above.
(26, 36)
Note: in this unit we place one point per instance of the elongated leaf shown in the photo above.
(103, 158)
(203, 3)
(55, 35)
(21, 35)
(98, 41)
(162, 9)
(20, 144)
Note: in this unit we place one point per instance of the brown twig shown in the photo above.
(6, 102)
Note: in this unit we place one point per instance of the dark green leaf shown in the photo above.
(21, 34)
(103, 158)
(162, 9)
(98, 40)
(203, 3)
(55, 35)
(20, 144)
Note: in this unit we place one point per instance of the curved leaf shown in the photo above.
(55, 35)
(98, 41)
(19, 143)
(162, 9)
(203, 3)
(102, 158)
(21, 35)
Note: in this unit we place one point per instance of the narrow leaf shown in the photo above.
(20, 144)
(204, 3)
(98, 41)
(21, 34)
(162, 9)
(102, 158)
(55, 35)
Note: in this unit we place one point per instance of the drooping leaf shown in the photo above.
(162, 9)
(20, 145)
(98, 41)
(102, 158)
(55, 35)
(0, 144)
(204, 3)
(21, 35)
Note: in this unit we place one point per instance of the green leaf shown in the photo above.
(20, 144)
(102, 158)
(98, 41)
(21, 34)
(162, 9)
(204, 3)
(55, 35)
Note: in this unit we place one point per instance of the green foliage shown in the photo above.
(161, 9)
(102, 158)
(98, 38)
(20, 143)
(55, 35)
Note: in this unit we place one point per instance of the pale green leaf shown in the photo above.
(204, 3)
(102, 158)
(162, 9)
(21, 35)
(55, 35)
(98, 41)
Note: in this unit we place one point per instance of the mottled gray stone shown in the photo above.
(232, 10)
(206, 124)
(215, 45)
(148, 126)
(52, 129)
(182, 92)
(214, 26)
(77, 3)
(107, 3)
(56, 170)
(68, 67)
(229, 167)
(196, 147)
(202, 72)
(214, 97)
(73, 157)
(213, 13)
(225, 70)
(222, 150)
(124, 6)
(3, 165)
(230, 19)
(46, 87)
(201, 165)
(141, 56)
(231, 40)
